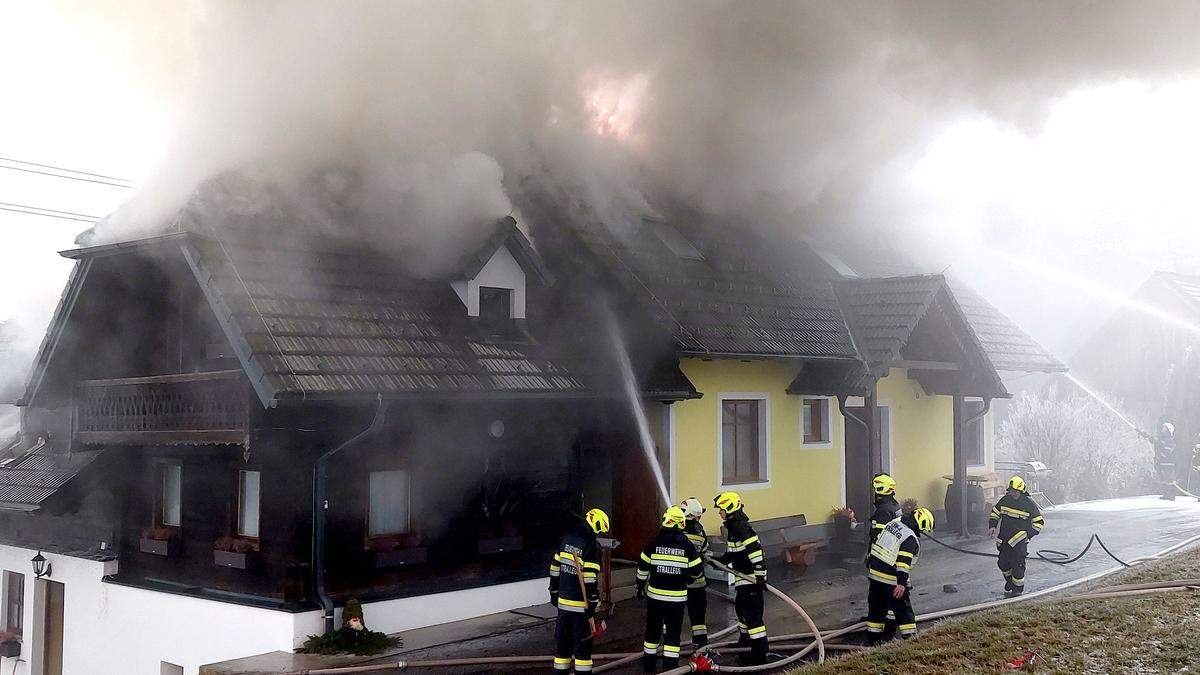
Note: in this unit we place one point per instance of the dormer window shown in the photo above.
(495, 312)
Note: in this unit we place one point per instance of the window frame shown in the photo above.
(497, 331)
(764, 440)
(970, 409)
(390, 536)
(826, 422)
(9, 577)
(237, 525)
(160, 493)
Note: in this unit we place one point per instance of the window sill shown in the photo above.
(755, 484)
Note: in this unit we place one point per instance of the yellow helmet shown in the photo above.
(673, 518)
(924, 518)
(598, 520)
(883, 484)
(1017, 483)
(728, 502)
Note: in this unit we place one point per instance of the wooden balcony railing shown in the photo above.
(194, 408)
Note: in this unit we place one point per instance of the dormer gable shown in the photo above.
(493, 280)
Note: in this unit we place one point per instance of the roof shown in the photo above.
(318, 320)
(1006, 345)
(32, 479)
(884, 312)
(739, 300)
(1186, 286)
(505, 232)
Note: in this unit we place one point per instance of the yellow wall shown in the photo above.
(922, 439)
(804, 479)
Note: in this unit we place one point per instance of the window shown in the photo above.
(389, 503)
(743, 428)
(495, 311)
(14, 602)
(974, 437)
(816, 421)
(248, 501)
(170, 499)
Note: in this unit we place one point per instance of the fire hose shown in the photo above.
(1048, 555)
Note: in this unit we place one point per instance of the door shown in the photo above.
(636, 501)
(48, 612)
(858, 465)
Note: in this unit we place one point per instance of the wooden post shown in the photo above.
(960, 467)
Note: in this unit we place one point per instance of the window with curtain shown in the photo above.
(170, 510)
(14, 602)
(741, 451)
(389, 501)
(248, 503)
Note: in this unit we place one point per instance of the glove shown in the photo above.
(554, 598)
(640, 593)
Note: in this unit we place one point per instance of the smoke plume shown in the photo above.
(790, 114)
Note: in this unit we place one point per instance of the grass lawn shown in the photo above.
(1157, 633)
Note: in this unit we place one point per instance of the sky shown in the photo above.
(1095, 191)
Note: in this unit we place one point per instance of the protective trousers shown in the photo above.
(748, 605)
(1012, 565)
(573, 642)
(879, 602)
(697, 607)
(664, 623)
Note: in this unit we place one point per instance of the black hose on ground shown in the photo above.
(1044, 554)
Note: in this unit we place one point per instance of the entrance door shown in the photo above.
(636, 502)
(49, 602)
(858, 464)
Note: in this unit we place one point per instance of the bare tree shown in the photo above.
(1093, 453)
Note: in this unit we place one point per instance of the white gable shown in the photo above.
(502, 271)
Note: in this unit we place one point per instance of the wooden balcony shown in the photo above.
(190, 409)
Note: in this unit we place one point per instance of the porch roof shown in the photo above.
(30, 476)
(1006, 345)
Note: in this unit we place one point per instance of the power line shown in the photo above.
(59, 175)
(59, 168)
(48, 213)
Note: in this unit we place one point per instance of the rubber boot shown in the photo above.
(1008, 584)
(758, 652)
(649, 663)
(700, 640)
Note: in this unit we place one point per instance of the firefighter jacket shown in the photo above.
(1017, 519)
(668, 565)
(578, 547)
(887, 509)
(893, 554)
(743, 552)
(695, 534)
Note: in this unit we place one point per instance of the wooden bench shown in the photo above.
(785, 536)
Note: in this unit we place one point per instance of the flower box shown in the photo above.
(10, 648)
(401, 556)
(500, 545)
(235, 560)
(163, 547)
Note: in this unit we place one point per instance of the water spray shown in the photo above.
(1100, 399)
(629, 381)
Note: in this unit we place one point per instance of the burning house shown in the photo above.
(229, 433)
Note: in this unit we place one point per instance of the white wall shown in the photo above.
(502, 271)
(117, 630)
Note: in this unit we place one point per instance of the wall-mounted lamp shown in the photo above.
(41, 566)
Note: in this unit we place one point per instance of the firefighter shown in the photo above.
(1164, 458)
(744, 554)
(578, 556)
(887, 508)
(890, 561)
(697, 591)
(668, 565)
(1014, 520)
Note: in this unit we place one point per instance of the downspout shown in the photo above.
(960, 460)
(321, 505)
